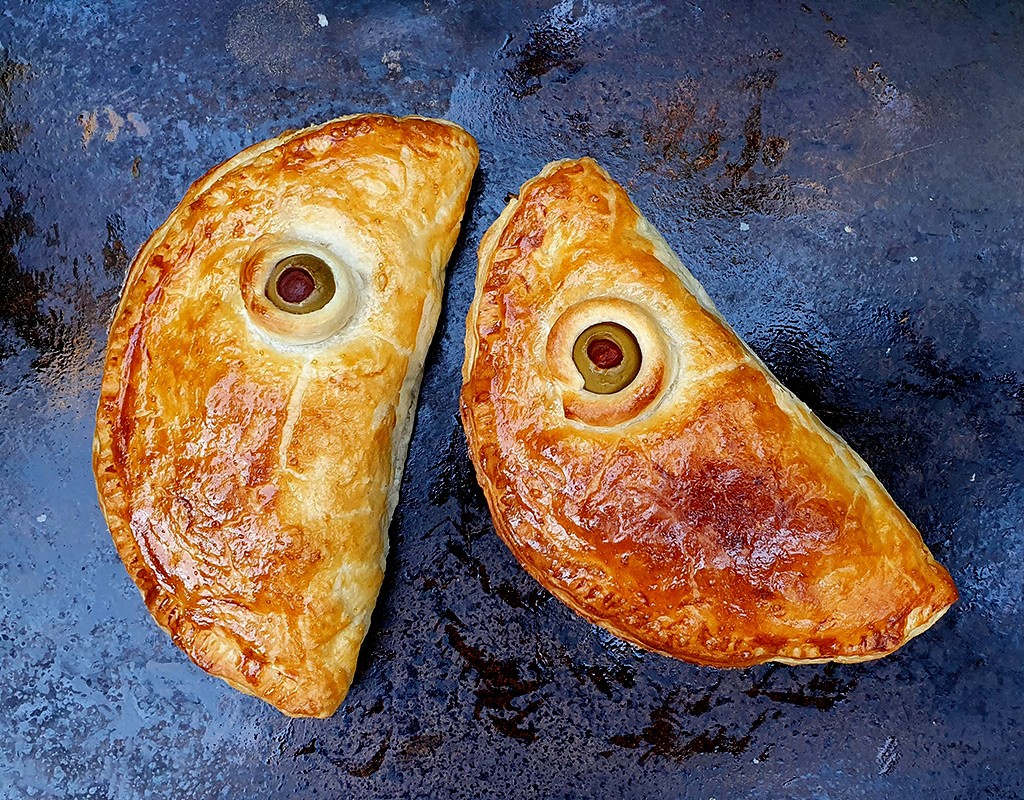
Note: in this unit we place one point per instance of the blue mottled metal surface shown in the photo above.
(845, 179)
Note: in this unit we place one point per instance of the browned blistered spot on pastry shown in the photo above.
(251, 666)
(708, 498)
(297, 157)
(529, 242)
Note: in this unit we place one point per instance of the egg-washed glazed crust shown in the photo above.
(248, 476)
(703, 512)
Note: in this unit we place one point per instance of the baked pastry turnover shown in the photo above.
(646, 468)
(261, 380)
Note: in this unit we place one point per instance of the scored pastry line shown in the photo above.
(685, 381)
(291, 417)
(404, 352)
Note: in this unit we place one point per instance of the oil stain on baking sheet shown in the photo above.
(553, 46)
(454, 478)
(669, 736)
(608, 678)
(367, 760)
(708, 165)
(53, 302)
(821, 687)
(504, 690)
(53, 325)
(12, 73)
(552, 49)
(455, 483)
(686, 723)
(23, 291)
(800, 358)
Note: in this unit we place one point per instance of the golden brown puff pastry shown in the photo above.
(648, 469)
(260, 386)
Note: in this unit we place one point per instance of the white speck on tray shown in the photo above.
(391, 60)
(322, 19)
(848, 229)
(42, 517)
(744, 226)
(140, 126)
(973, 476)
(913, 259)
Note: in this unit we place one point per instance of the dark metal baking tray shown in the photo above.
(846, 180)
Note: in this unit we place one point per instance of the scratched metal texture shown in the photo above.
(846, 180)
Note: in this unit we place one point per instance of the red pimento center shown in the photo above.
(604, 353)
(295, 285)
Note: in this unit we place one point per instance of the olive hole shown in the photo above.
(300, 284)
(608, 357)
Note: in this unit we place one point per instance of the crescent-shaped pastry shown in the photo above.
(647, 469)
(261, 381)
